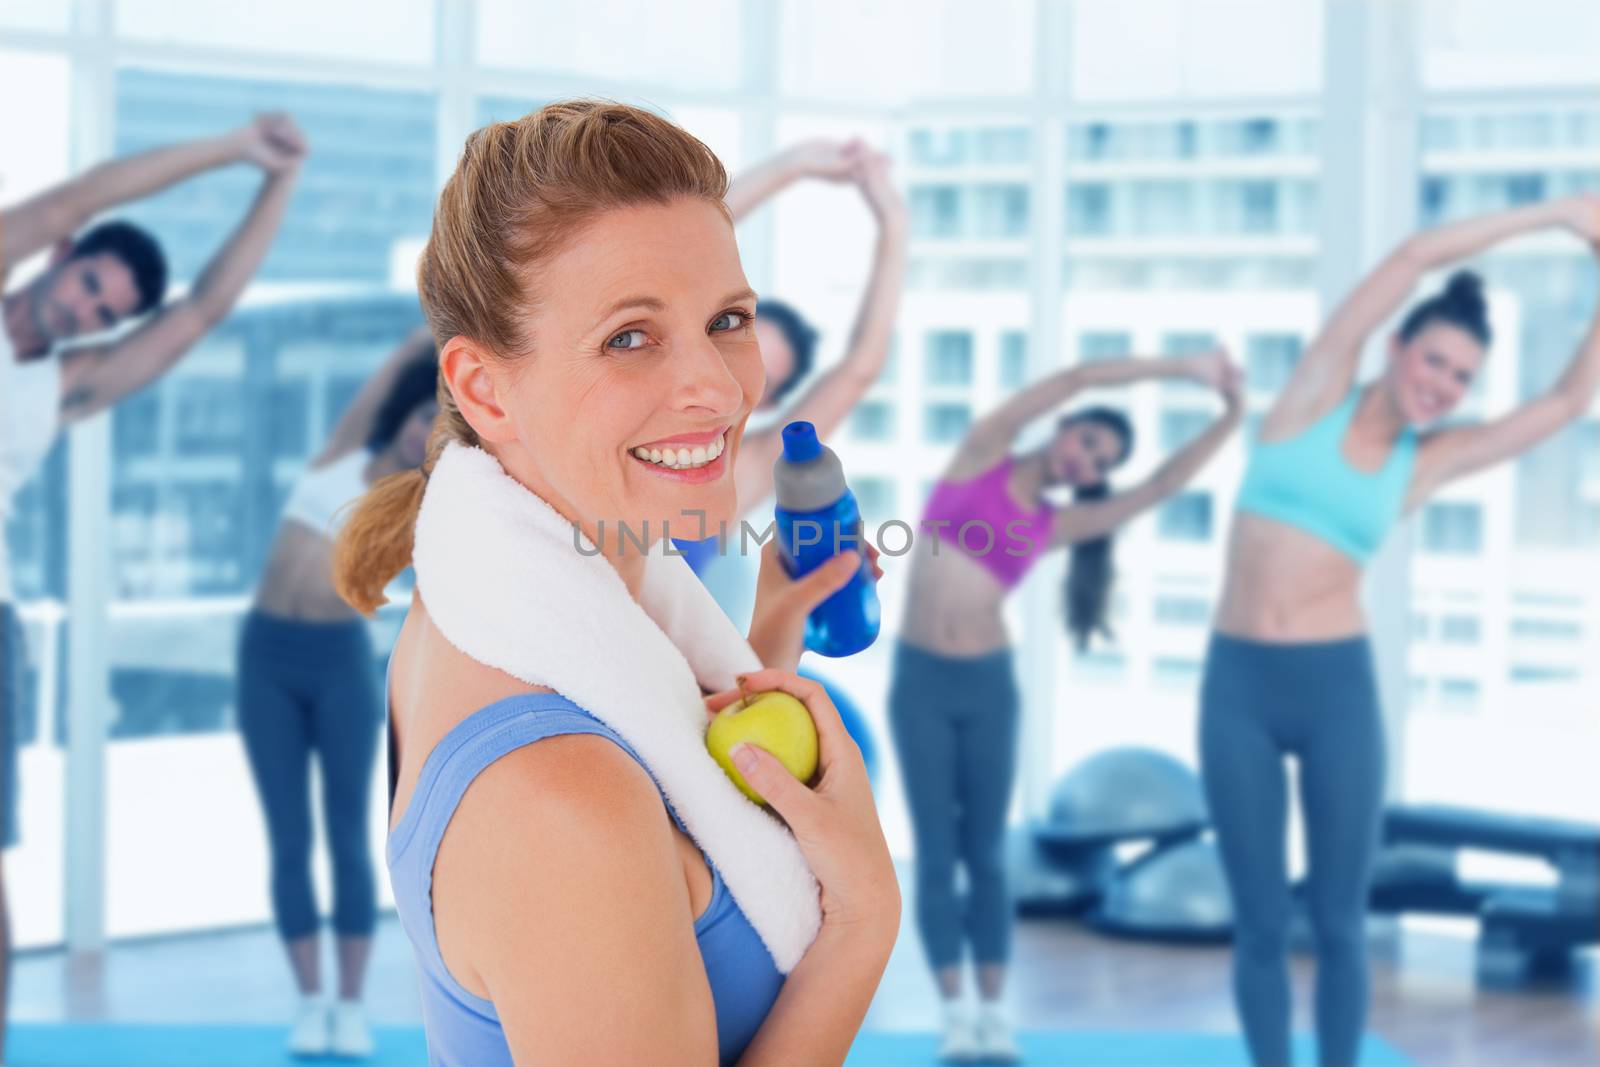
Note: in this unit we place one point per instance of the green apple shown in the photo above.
(775, 721)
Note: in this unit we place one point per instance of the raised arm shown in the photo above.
(829, 160)
(991, 436)
(1328, 367)
(355, 424)
(1459, 451)
(96, 376)
(828, 401)
(59, 212)
(1085, 522)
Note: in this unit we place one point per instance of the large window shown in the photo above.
(1507, 559)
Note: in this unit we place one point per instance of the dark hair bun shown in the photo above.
(1460, 304)
(1465, 290)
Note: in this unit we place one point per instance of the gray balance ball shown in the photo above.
(1123, 794)
(1173, 892)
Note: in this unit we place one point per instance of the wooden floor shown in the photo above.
(1424, 998)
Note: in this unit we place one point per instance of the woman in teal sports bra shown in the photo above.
(584, 286)
(1335, 465)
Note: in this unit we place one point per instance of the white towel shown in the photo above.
(503, 577)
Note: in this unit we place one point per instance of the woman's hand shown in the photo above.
(834, 821)
(273, 142)
(1581, 214)
(1213, 368)
(834, 161)
(778, 621)
(878, 188)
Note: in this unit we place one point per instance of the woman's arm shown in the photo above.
(1326, 370)
(97, 376)
(828, 160)
(991, 436)
(818, 1014)
(59, 212)
(355, 425)
(1457, 452)
(828, 401)
(559, 894)
(835, 823)
(1085, 522)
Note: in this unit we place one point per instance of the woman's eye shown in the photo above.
(729, 320)
(621, 340)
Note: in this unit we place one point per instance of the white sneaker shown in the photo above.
(995, 1042)
(959, 1043)
(352, 1037)
(310, 1034)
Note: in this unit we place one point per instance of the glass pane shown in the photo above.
(36, 151)
(364, 199)
(904, 49)
(1506, 561)
(206, 457)
(31, 160)
(1174, 49)
(1478, 44)
(505, 108)
(36, 15)
(404, 33)
(197, 494)
(824, 235)
(635, 41)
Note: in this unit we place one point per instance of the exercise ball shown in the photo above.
(1174, 892)
(1125, 793)
(855, 724)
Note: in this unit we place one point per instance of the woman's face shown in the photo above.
(1084, 453)
(641, 369)
(1428, 376)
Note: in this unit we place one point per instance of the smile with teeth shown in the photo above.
(682, 458)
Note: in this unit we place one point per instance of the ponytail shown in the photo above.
(1090, 576)
(374, 545)
(1090, 573)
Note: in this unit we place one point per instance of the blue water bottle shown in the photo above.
(817, 518)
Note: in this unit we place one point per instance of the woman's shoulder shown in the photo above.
(565, 786)
(557, 840)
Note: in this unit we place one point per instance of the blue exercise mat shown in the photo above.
(1109, 1048)
(135, 1045)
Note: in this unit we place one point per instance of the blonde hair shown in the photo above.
(520, 190)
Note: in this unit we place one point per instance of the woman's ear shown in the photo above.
(470, 374)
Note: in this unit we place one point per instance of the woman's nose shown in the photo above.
(708, 382)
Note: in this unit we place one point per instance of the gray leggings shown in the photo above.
(955, 731)
(1318, 702)
(309, 687)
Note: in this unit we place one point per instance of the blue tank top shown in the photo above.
(463, 1030)
(1306, 482)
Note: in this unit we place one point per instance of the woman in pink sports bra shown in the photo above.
(953, 701)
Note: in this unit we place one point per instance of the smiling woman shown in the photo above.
(598, 362)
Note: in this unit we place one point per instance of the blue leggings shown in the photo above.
(955, 730)
(1318, 702)
(309, 687)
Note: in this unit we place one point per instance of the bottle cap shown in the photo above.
(800, 443)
